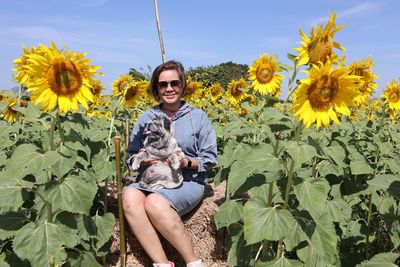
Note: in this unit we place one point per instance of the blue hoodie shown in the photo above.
(193, 133)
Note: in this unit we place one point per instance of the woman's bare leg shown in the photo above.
(142, 228)
(169, 224)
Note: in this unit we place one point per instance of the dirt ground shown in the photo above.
(207, 241)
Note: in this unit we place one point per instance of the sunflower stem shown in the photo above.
(291, 81)
(54, 120)
(112, 126)
(279, 251)
(60, 129)
(122, 244)
(368, 227)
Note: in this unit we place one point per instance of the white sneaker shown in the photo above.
(170, 264)
(197, 263)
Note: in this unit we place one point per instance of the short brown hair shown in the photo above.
(169, 65)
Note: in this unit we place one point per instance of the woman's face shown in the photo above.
(169, 87)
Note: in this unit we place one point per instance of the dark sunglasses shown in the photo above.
(175, 84)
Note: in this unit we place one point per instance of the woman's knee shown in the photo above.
(155, 204)
(132, 200)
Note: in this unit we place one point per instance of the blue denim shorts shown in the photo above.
(183, 199)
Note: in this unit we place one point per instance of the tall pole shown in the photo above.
(159, 33)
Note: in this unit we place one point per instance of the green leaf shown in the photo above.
(339, 210)
(265, 223)
(336, 153)
(312, 195)
(229, 212)
(326, 168)
(105, 226)
(294, 236)
(102, 166)
(322, 249)
(390, 183)
(11, 191)
(281, 262)
(41, 244)
(73, 194)
(32, 112)
(232, 151)
(68, 159)
(300, 153)
(28, 158)
(10, 223)
(381, 260)
(240, 254)
(257, 161)
(360, 167)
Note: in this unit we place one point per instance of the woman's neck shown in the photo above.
(171, 107)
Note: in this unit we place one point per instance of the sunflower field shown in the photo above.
(312, 178)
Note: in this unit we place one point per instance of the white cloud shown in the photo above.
(91, 3)
(363, 9)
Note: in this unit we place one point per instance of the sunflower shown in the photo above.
(22, 64)
(193, 90)
(391, 95)
(215, 91)
(133, 93)
(363, 68)
(96, 88)
(60, 79)
(264, 74)
(319, 46)
(237, 91)
(119, 84)
(325, 91)
(9, 113)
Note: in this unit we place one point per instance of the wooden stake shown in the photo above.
(122, 242)
(159, 32)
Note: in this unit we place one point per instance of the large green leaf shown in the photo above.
(105, 225)
(339, 210)
(232, 151)
(72, 194)
(41, 244)
(102, 166)
(326, 168)
(28, 158)
(10, 223)
(381, 260)
(265, 223)
(312, 195)
(322, 243)
(257, 161)
(240, 254)
(360, 167)
(390, 183)
(294, 236)
(81, 259)
(11, 191)
(300, 153)
(336, 153)
(281, 262)
(229, 212)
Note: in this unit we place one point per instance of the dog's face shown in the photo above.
(158, 132)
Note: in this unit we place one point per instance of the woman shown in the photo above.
(159, 210)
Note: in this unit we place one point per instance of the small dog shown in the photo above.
(159, 144)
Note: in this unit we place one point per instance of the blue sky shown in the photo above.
(118, 35)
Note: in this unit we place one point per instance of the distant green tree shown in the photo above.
(222, 73)
(141, 74)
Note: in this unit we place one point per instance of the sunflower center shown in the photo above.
(235, 91)
(264, 73)
(394, 97)
(130, 93)
(215, 91)
(320, 49)
(322, 92)
(64, 78)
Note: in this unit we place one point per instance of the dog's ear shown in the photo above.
(167, 124)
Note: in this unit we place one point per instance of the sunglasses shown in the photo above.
(175, 84)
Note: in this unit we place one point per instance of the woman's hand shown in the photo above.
(148, 161)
